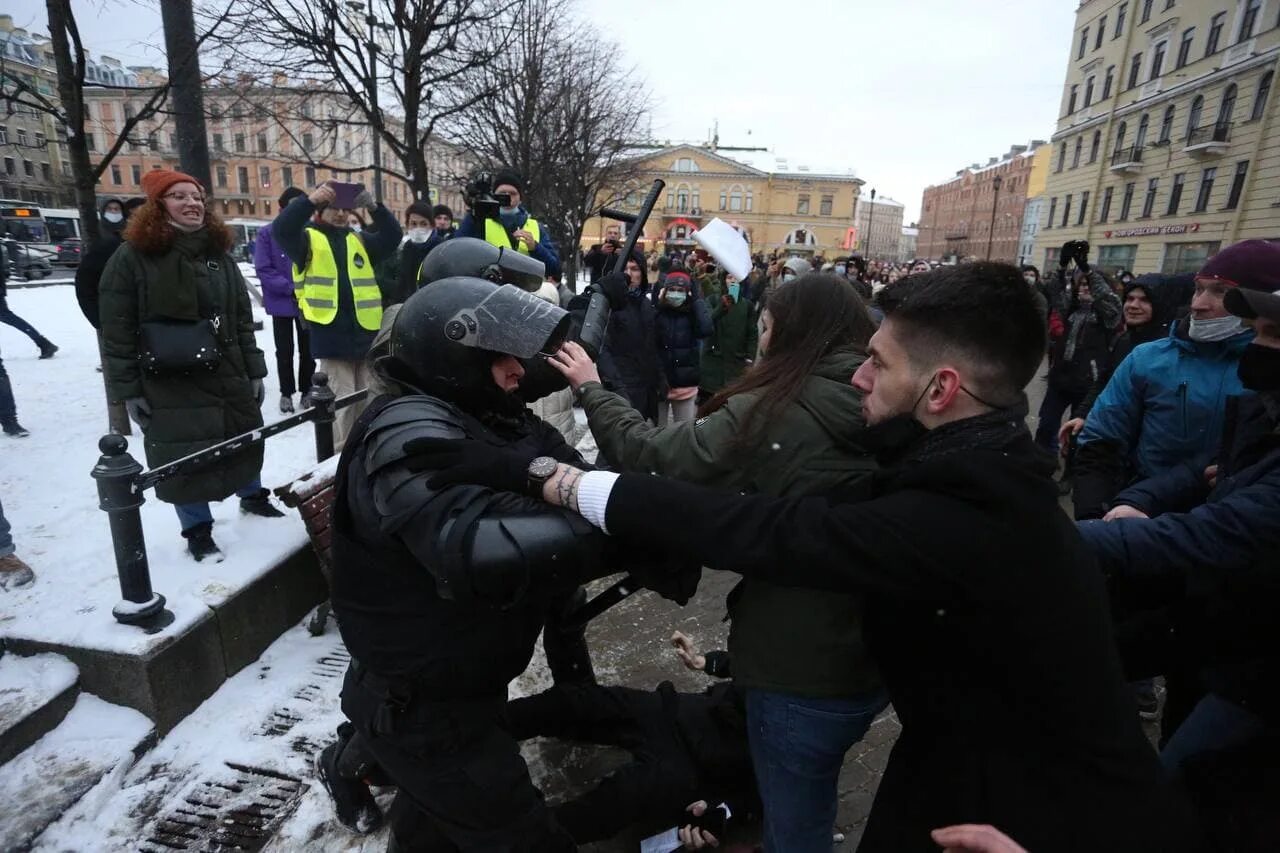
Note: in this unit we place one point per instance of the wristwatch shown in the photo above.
(539, 471)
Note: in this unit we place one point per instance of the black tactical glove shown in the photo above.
(1066, 253)
(1081, 254)
(614, 286)
(465, 461)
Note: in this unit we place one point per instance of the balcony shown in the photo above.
(677, 211)
(1127, 161)
(1211, 140)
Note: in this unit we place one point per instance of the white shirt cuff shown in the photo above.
(593, 496)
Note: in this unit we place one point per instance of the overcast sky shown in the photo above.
(903, 92)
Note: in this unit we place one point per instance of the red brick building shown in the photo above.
(978, 213)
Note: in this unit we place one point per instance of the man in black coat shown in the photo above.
(115, 215)
(985, 613)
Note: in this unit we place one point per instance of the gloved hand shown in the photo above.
(259, 391)
(365, 200)
(614, 286)
(1066, 253)
(670, 577)
(139, 411)
(459, 461)
(1082, 254)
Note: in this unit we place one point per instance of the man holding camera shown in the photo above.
(512, 227)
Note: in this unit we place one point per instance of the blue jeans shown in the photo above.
(189, 515)
(797, 750)
(8, 409)
(6, 538)
(9, 318)
(1214, 723)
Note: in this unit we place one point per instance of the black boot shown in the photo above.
(258, 504)
(200, 542)
(47, 348)
(15, 430)
(353, 802)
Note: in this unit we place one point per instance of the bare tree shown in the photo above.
(565, 114)
(414, 56)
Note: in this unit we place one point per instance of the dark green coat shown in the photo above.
(732, 346)
(188, 413)
(789, 640)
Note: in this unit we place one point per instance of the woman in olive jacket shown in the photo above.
(168, 296)
(788, 426)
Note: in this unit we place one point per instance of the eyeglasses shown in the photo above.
(198, 199)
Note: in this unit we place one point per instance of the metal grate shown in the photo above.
(238, 810)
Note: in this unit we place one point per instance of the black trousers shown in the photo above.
(462, 782)
(283, 328)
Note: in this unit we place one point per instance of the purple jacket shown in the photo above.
(275, 272)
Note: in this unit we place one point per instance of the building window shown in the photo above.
(1102, 30)
(749, 201)
(116, 177)
(1075, 156)
(91, 142)
(242, 178)
(1260, 99)
(1149, 203)
(239, 143)
(1084, 43)
(1053, 206)
(724, 199)
(308, 142)
(1215, 33)
(1062, 156)
(29, 168)
(128, 111)
(1206, 189)
(262, 143)
(1157, 59)
(1250, 20)
(735, 199)
(286, 176)
(22, 136)
(824, 207)
(1175, 194)
(1184, 47)
(1124, 7)
(682, 199)
(1135, 68)
(1166, 125)
(4, 135)
(1193, 118)
(40, 139)
(221, 177)
(1237, 185)
(1117, 257)
(46, 171)
(1105, 210)
(264, 176)
(310, 175)
(1146, 11)
(1088, 92)
(1187, 257)
(135, 172)
(1108, 81)
(802, 205)
(173, 142)
(1071, 101)
(685, 164)
(1120, 132)
(1094, 146)
(1140, 140)
(1084, 208)
(1228, 106)
(10, 166)
(1066, 210)
(217, 142)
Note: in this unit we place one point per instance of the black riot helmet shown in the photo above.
(467, 256)
(446, 336)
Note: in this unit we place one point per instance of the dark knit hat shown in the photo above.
(1251, 269)
(421, 207)
(289, 195)
(506, 176)
(441, 210)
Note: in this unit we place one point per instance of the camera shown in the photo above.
(482, 201)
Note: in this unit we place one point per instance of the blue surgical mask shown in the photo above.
(676, 298)
(734, 290)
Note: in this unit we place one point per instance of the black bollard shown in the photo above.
(115, 473)
(322, 401)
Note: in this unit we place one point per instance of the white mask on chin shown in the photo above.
(1217, 329)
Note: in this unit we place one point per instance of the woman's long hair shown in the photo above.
(148, 229)
(813, 315)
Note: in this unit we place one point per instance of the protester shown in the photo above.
(275, 274)
(14, 573)
(1012, 699)
(683, 321)
(8, 408)
(629, 361)
(402, 268)
(46, 347)
(789, 426)
(94, 260)
(514, 227)
(600, 259)
(335, 286)
(440, 593)
(732, 346)
(171, 296)
(441, 225)
(1200, 546)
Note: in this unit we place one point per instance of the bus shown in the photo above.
(244, 233)
(25, 223)
(63, 223)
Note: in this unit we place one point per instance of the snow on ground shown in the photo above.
(52, 503)
(27, 683)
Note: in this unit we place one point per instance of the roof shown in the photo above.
(975, 169)
(761, 162)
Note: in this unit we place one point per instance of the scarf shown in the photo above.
(989, 431)
(175, 292)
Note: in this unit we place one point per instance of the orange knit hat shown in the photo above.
(157, 182)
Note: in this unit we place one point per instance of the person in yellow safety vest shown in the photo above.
(514, 228)
(333, 279)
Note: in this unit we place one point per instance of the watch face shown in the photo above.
(542, 467)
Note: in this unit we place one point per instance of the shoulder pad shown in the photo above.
(414, 416)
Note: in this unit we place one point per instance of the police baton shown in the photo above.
(578, 619)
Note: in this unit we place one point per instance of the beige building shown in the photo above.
(1168, 146)
(777, 205)
(879, 225)
(35, 166)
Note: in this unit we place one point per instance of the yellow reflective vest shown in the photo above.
(316, 287)
(497, 235)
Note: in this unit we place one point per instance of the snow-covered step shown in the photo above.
(95, 739)
(36, 692)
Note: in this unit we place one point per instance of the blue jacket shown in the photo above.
(1219, 547)
(1164, 403)
(679, 330)
(545, 251)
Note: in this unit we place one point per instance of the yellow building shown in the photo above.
(775, 204)
(1168, 147)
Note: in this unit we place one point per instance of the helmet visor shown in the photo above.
(511, 321)
(523, 271)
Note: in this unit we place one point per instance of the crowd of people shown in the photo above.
(849, 436)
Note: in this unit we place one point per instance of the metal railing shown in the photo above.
(1128, 154)
(122, 480)
(1220, 132)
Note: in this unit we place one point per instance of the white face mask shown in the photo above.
(355, 228)
(113, 217)
(419, 235)
(1217, 329)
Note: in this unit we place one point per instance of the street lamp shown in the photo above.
(372, 83)
(995, 199)
(871, 212)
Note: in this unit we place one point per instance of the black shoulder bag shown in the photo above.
(181, 347)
